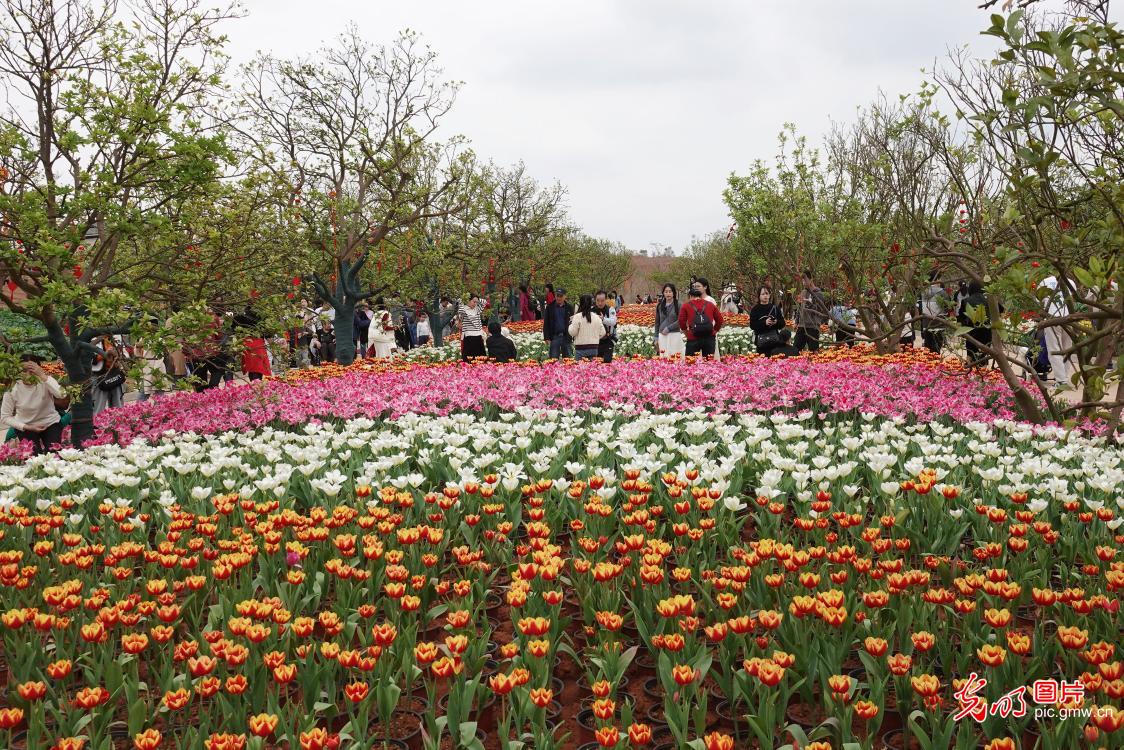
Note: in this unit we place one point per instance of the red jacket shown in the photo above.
(687, 316)
(254, 357)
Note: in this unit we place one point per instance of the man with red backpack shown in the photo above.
(700, 320)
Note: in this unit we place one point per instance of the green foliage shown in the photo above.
(17, 330)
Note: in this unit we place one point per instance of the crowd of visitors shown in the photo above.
(783, 324)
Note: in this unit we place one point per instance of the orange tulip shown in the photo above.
(639, 734)
(925, 685)
(58, 670)
(840, 684)
(149, 739)
(174, 700)
(10, 717)
(446, 667)
(134, 643)
(31, 691)
(285, 673)
(992, 655)
(608, 736)
(1002, 743)
(683, 674)
(542, 697)
(91, 697)
(356, 691)
(875, 646)
(314, 739)
(900, 664)
(263, 725)
(866, 710)
(718, 741)
(223, 741)
(770, 673)
(501, 683)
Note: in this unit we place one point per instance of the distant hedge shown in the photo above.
(18, 328)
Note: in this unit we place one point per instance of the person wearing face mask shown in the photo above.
(703, 286)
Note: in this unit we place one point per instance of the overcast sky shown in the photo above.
(642, 108)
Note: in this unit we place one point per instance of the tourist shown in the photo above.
(587, 328)
(731, 300)
(500, 347)
(618, 301)
(974, 313)
(153, 371)
(908, 338)
(844, 319)
(361, 327)
(550, 295)
(381, 334)
(327, 340)
(255, 358)
(1058, 340)
(109, 384)
(556, 325)
(29, 406)
(703, 286)
(766, 320)
(669, 339)
(934, 308)
(609, 315)
(449, 315)
(639, 300)
(525, 311)
(701, 320)
(472, 330)
(811, 313)
(425, 333)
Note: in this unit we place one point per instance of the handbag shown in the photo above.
(771, 338)
(112, 380)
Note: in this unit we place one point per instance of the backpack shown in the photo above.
(701, 325)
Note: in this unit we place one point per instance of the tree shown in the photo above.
(1048, 114)
(106, 135)
(353, 130)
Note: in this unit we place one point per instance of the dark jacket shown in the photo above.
(979, 299)
(501, 349)
(759, 313)
(556, 320)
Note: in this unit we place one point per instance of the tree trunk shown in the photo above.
(78, 373)
(345, 329)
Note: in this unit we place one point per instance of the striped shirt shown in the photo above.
(470, 322)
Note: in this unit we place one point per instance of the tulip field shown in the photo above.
(843, 551)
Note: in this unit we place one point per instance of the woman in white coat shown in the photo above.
(381, 334)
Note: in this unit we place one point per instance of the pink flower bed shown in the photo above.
(733, 385)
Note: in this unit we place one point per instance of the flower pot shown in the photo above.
(806, 715)
(646, 661)
(404, 726)
(899, 740)
(653, 688)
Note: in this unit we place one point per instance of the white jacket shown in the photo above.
(587, 332)
(377, 333)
